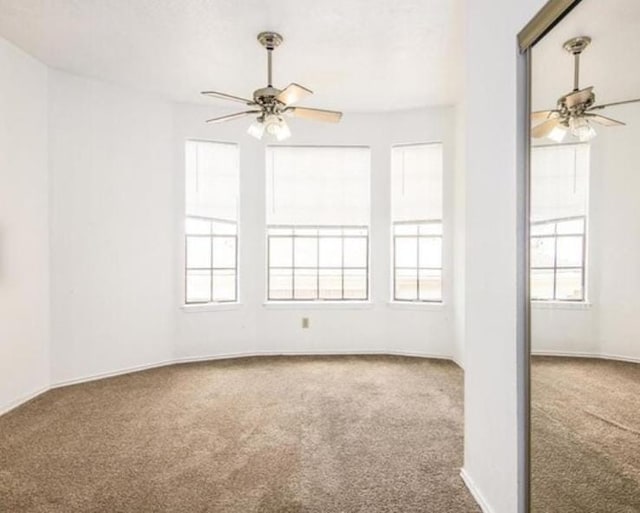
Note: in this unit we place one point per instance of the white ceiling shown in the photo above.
(609, 63)
(357, 55)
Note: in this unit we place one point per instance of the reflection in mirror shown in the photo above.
(584, 255)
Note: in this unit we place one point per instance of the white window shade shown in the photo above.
(416, 182)
(212, 180)
(559, 181)
(318, 186)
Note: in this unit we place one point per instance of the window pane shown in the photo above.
(355, 284)
(331, 252)
(541, 284)
(355, 252)
(306, 252)
(430, 285)
(330, 284)
(198, 252)
(280, 252)
(406, 252)
(431, 252)
(281, 284)
(574, 226)
(406, 284)
(569, 285)
(306, 284)
(198, 286)
(196, 226)
(542, 251)
(569, 251)
(224, 286)
(224, 252)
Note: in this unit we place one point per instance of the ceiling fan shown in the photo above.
(574, 112)
(272, 104)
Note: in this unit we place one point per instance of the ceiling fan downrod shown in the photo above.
(576, 46)
(270, 40)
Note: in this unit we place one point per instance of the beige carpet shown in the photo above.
(585, 436)
(267, 435)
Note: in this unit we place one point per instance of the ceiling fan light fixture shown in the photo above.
(582, 129)
(586, 133)
(256, 129)
(558, 134)
(277, 127)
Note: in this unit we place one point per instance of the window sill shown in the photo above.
(560, 305)
(417, 305)
(317, 305)
(210, 307)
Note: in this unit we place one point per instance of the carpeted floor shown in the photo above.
(265, 435)
(585, 436)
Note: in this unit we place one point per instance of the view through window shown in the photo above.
(416, 215)
(317, 223)
(211, 224)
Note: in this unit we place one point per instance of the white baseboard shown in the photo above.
(582, 354)
(110, 374)
(249, 354)
(193, 359)
(17, 402)
(475, 492)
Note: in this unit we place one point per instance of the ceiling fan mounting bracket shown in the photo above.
(270, 40)
(577, 45)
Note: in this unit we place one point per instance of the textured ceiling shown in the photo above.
(357, 55)
(609, 63)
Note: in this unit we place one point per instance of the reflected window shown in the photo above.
(559, 197)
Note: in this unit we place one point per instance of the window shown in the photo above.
(559, 196)
(317, 223)
(211, 224)
(416, 215)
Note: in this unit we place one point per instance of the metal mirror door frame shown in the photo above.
(547, 18)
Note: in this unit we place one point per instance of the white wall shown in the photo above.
(253, 327)
(608, 325)
(24, 232)
(111, 228)
(491, 420)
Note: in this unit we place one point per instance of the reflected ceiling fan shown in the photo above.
(574, 113)
(272, 104)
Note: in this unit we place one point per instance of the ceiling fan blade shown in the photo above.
(293, 93)
(231, 97)
(330, 116)
(578, 97)
(605, 105)
(544, 129)
(229, 117)
(542, 114)
(603, 120)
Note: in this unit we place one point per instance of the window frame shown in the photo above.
(555, 268)
(318, 268)
(319, 302)
(394, 268)
(418, 268)
(225, 303)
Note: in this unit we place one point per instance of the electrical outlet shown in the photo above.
(305, 322)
